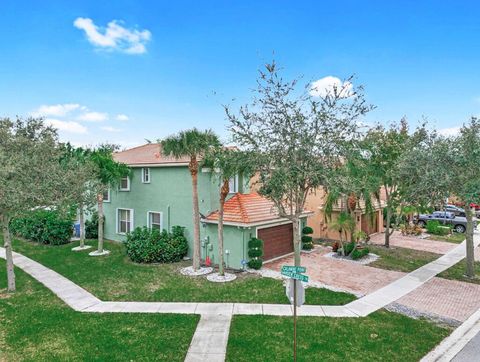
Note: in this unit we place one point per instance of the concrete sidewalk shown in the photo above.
(216, 317)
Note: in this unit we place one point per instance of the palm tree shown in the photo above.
(193, 144)
(344, 224)
(108, 173)
(225, 164)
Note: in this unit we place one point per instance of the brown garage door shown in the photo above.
(277, 240)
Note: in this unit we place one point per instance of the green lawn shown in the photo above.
(37, 326)
(457, 272)
(383, 336)
(456, 238)
(114, 277)
(400, 259)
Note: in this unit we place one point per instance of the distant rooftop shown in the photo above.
(148, 154)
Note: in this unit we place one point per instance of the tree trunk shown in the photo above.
(8, 253)
(196, 213)
(296, 241)
(470, 272)
(223, 195)
(387, 231)
(82, 226)
(100, 222)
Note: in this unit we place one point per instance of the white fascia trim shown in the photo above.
(172, 164)
(260, 223)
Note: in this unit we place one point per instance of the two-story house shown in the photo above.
(158, 194)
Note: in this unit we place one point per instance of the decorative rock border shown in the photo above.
(367, 259)
(96, 253)
(189, 271)
(81, 248)
(217, 278)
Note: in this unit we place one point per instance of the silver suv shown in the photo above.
(447, 218)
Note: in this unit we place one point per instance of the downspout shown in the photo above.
(168, 218)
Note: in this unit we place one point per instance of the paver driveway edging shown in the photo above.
(81, 300)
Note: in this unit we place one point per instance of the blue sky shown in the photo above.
(169, 65)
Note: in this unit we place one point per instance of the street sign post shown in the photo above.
(298, 298)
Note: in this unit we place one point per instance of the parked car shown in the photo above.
(458, 211)
(448, 218)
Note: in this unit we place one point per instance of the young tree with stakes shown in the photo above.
(192, 144)
(298, 138)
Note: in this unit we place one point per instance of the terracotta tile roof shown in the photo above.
(149, 154)
(247, 209)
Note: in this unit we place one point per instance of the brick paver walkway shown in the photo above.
(340, 274)
(446, 298)
(412, 242)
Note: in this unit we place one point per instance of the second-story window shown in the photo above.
(233, 184)
(125, 184)
(146, 175)
(106, 195)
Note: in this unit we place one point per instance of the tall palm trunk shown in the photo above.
(8, 253)
(470, 272)
(100, 222)
(223, 195)
(82, 226)
(193, 166)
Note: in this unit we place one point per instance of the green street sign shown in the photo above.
(294, 269)
(293, 275)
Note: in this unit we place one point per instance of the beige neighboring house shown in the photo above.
(369, 223)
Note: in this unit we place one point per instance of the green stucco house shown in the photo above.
(158, 194)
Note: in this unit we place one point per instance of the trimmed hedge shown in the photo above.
(436, 228)
(255, 253)
(43, 226)
(145, 245)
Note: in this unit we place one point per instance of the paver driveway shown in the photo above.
(413, 242)
(341, 274)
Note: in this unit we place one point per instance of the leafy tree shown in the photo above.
(298, 138)
(466, 170)
(383, 150)
(225, 164)
(192, 144)
(31, 175)
(108, 174)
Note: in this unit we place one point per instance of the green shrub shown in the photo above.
(145, 245)
(432, 226)
(307, 230)
(307, 242)
(436, 228)
(255, 263)
(91, 227)
(44, 226)
(255, 253)
(359, 253)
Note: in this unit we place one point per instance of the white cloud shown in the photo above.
(111, 129)
(122, 117)
(329, 85)
(56, 110)
(66, 126)
(114, 36)
(452, 131)
(93, 117)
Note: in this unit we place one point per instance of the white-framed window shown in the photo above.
(155, 220)
(106, 195)
(233, 184)
(124, 184)
(124, 221)
(146, 175)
